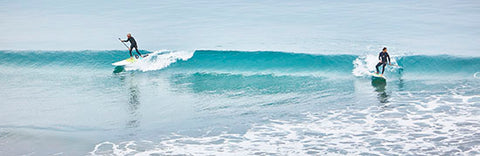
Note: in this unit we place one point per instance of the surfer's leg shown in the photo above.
(130, 51)
(137, 51)
(376, 67)
(383, 70)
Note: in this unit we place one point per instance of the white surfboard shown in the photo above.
(377, 75)
(125, 62)
(128, 61)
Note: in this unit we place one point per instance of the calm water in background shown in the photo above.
(425, 27)
(312, 96)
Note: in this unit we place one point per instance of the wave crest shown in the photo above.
(159, 60)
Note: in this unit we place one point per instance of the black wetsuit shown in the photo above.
(383, 56)
(133, 44)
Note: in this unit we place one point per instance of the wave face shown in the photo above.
(240, 62)
(265, 61)
(440, 64)
(94, 59)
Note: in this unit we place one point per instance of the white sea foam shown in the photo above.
(477, 75)
(364, 65)
(159, 60)
(439, 126)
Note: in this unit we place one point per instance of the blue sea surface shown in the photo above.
(240, 78)
(236, 102)
(307, 26)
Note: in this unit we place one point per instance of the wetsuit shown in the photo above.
(133, 44)
(383, 56)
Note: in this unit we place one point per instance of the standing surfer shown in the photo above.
(382, 57)
(133, 44)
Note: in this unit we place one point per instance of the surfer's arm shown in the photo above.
(125, 40)
(388, 56)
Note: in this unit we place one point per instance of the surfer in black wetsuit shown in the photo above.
(382, 57)
(133, 44)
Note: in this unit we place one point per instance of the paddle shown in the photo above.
(124, 43)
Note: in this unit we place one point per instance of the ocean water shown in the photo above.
(243, 77)
(237, 103)
(306, 26)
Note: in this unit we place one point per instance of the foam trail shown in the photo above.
(364, 65)
(159, 60)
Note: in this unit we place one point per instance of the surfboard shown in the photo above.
(125, 62)
(128, 61)
(375, 75)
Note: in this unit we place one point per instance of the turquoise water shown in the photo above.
(236, 102)
(242, 77)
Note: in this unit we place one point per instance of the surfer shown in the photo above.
(382, 57)
(133, 44)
